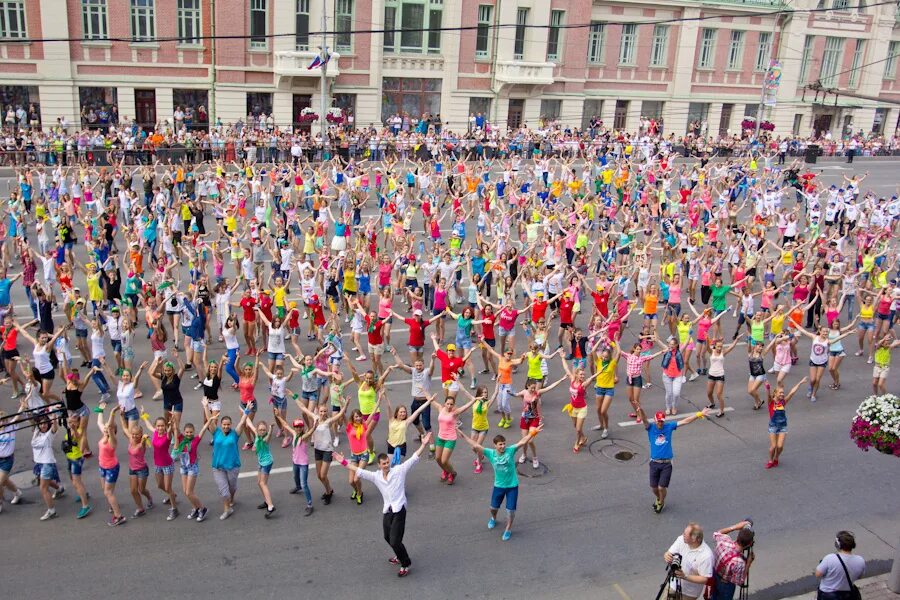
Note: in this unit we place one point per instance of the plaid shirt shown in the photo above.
(730, 565)
(634, 363)
(28, 270)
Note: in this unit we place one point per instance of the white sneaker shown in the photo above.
(535, 464)
(604, 434)
(226, 514)
(17, 497)
(772, 370)
(335, 441)
(693, 377)
(51, 513)
(522, 459)
(596, 428)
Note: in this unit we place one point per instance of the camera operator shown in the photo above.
(696, 562)
(731, 565)
(839, 571)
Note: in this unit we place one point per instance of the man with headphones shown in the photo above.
(838, 571)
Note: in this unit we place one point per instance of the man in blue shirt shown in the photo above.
(659, 434)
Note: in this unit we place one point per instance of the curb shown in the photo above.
(871, 588)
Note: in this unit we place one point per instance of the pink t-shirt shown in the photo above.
(508, 318)
(300, 456)
(136, 458)
(161, 456)
(447, 425)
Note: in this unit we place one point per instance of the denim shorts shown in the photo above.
(81, 333)
(49, 471)
(75, 466)
(166, 470)
(6, 463)
(198, 345)
(359, 458)
(139, 473)
(81, 412)
(174, 407)
(192, 470)
(511, 494)
(116, 345)
(110, 475)
(279, 403)
(131, 415)
(604, 391)
(276, 355)
(265, 469)
(310, 396)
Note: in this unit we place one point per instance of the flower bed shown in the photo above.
(877, 424)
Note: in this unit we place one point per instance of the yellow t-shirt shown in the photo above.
(606, 375)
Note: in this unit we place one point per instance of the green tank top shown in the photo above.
(366, 400)
(534, 366)
(758, 331)
(684, 332)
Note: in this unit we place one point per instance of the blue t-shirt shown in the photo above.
(225, 453)
(5, 284)
(661, 440)
(478, 263)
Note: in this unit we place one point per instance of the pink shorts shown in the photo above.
(374, 419)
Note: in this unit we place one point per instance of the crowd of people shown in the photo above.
(313, 285)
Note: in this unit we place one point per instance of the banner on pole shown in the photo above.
(771, 83)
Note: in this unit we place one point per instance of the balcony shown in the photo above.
(773, 4)
(524, 73)
(294, 63)
(412, 64)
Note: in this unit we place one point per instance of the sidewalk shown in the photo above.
(872, 588)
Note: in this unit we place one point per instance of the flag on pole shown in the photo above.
(317, 62)
(327, 58)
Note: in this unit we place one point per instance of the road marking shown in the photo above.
(621, 592)
(245, 474)
(669, 418)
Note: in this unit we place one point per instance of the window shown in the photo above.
(519, 43)
(99, 106)
(25, 96)
(413, 18)
(390, 24)
(660, 46)
(414, 96)
(590, 112)
(480, 106)
(259, 24)
(595, 42)
(890, 64)
(652, 109)
(706, 55)
(94, 24)
(554, 35)
(879, 120)
(628, 44)
(193, 103)
(806, 58)
(551, 109)
(483, 33)
(798, 123)
(763, 51)
(751, 110)
(857, 62)
(831, 59)
(301, 25)
(698, 113)
(343, 25)
(12, 19)
(259, 103)
(620, 116)
(143, 20)
(189, 21)
(736, 50)
(840, 4)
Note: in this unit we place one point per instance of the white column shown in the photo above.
(571, 111)
(59, 96)
(283, 108)
(633, 115)
(715, 116)
(165, 105)
(127, 108)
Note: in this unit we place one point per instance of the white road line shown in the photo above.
(245, 474)
(669, 418)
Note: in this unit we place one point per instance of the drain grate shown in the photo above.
(623, 455)
(618, 452)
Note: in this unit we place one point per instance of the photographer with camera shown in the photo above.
(733, 559)
(690, 563)
(838, 571)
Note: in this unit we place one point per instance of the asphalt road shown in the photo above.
(584, 528)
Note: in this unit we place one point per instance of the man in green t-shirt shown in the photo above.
(506, 480)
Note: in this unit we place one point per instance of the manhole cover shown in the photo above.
(526, 470)
(618, 452)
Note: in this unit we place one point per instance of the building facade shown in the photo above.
(690, 63)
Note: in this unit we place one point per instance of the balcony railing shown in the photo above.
(748, 3)
(524, 73)
(294, 63)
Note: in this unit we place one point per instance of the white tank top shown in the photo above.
(42, 359)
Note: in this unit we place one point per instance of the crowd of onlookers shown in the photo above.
(258, 138)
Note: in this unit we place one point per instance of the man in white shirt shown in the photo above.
(696, 562)
(391, 482)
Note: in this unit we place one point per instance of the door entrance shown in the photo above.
(302, 101)
(514, 114)
(145, 108)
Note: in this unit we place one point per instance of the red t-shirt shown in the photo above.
(374, 327)
(248, 303)
(566, 305)
(449, 365)
(601, 301)
(265, 305)
(487, 327)
(9, 337)
(416, 331)
(538, 310)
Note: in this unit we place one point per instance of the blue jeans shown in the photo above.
(229, 364)
(301, 472)
(99, 379)
(31, 302)
(723, 589)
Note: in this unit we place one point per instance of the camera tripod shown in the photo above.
(665, 590)
(744, 589)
